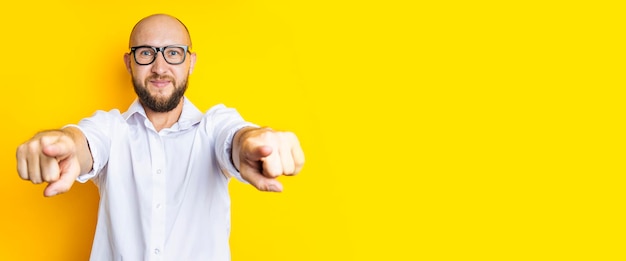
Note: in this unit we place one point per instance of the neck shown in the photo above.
(162, 120)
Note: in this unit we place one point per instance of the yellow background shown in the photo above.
(433, 130)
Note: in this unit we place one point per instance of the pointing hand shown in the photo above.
(262, 154)
(49, 157)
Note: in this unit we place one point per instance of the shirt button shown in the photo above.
(158, 205)
(156, 251)
(158, 171)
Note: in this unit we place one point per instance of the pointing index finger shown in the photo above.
(259, 153)
(56, 146)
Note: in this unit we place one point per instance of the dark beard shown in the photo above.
(155, 104)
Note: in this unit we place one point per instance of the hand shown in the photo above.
(262, 154)
(49, 157)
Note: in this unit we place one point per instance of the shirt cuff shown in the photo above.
(225, 150)
(84, 177)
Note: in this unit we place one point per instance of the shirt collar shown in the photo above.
(189, 116)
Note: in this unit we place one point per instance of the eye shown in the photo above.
(173, 52)
(144, 51)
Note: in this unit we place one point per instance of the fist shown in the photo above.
(262, 154)
(49, 157)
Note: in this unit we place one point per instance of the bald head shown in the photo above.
(159, 30)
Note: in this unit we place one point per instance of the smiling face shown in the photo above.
(160, 86)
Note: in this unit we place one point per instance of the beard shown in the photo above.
(159, 104)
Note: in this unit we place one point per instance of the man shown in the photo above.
(162, 167)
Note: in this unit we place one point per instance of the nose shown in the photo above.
(159, 65)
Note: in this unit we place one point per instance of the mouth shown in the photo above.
(160, 83)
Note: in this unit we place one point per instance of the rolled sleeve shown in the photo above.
(225, 122)
(97, 132)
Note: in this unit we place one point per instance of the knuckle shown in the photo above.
(34, 177)
(33, 147)
(275, 172)
(22, 175)
(66, 139)
(289, 168)
(20, 150)
(288, 136)
(298, 168)
(48, 178)
(282, 136)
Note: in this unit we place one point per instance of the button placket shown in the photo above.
(158, 193)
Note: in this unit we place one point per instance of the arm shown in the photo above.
(262, 154)
(56, 157)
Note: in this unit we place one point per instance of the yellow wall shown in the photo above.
(438, 130)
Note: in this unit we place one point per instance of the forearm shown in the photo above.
(82, 148)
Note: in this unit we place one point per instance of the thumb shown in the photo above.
(260, 182)
(263, 183)
(65, 181)
(59, 146)
(62, 185)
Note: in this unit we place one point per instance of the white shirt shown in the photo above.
(163, 195)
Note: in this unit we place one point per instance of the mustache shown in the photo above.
(160, 78)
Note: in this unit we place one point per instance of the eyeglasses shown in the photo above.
(173, 54)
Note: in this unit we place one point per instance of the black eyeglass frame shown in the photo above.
(162, 50)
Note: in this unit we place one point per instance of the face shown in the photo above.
(160, 86)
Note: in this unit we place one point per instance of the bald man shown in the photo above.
(162, 167)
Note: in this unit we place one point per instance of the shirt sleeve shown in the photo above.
(98, 130)
(223, 123)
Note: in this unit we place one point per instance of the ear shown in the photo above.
(127, 61)
(192, 56)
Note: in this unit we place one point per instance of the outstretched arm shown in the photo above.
(262, 154)
(56, 157)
